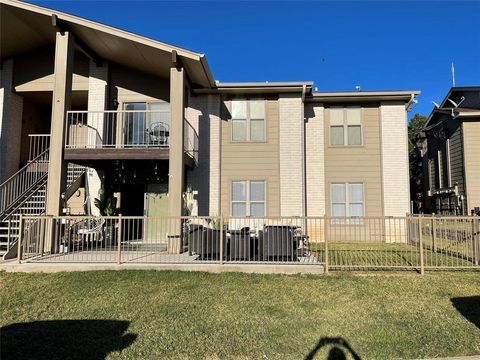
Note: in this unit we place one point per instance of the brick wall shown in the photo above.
(315, 160)
(395, 171)
(97, 101)
(203, 113)
(291, 154)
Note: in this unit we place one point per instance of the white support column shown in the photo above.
(62, 89)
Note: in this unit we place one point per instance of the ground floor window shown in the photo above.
(347, 199)
(248, 198)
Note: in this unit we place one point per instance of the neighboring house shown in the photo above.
(452, 156)
(154, 128)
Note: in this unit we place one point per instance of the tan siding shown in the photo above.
(471, 138)
(253, 161)
(357, 164)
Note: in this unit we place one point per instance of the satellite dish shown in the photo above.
(453, 102)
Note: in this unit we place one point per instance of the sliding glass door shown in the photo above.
(146, 124)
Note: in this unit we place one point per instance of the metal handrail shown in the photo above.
(115, 129)
(38, 143)
(23, 181)
(190, 140)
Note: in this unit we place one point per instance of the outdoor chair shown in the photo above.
(159, 134)
(277, 243)
(239, 245)
(204, 242)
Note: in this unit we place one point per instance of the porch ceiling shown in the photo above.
(25, 27)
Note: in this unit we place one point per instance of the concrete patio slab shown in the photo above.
(14, 266)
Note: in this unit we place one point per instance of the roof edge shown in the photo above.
(365, 93)
(266, 84)
(103, 27)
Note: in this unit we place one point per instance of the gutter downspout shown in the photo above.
(304, 154)
(411, 103)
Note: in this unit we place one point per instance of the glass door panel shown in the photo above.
(135, 127)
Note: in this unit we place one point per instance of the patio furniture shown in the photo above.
(204, 242)
(159, 134)
(240, 245)
(91, 231)
(278, 243)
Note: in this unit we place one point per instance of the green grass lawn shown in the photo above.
(172, 315)
(393, 255)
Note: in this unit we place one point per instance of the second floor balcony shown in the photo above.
(123, 134)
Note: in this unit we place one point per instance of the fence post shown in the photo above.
(20, 240)
(221, 239)
(476, 240)
(119, 240)
(420, 244)
(9, 233)
(434, 234)
(325, 237)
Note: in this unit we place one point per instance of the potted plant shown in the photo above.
(107, 205)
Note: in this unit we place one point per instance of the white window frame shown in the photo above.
(248, 202)
(357, 219)
(345, 126)
(248, 120)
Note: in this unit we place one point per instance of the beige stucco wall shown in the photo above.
(395, 169)
(291, 154)
(252, 160)
(203, 113)
(471, 142)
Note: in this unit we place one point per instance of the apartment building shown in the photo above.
(141, 125)
(452, 156)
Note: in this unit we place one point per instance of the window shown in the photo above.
(248, 198)
(248, 120)
(347, 200)
(345, 126)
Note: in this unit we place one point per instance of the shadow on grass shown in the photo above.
(64, 339)
(337, 350)
(469, 307)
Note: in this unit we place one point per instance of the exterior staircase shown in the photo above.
(24, 193)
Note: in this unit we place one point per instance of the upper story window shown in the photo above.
(248, 120)
(345, 126)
